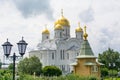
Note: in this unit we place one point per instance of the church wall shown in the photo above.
(45, 36)
(79, 35)
(66, 32)
(86, 70)
(52, 57)
(58, 34)
(81, 69)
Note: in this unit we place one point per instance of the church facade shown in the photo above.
(63, 49)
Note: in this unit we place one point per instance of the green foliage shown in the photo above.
(109, 56)
(5, 75)
(92, 78)
(10, 67)
(67, 77)
(51, 71)
(30, 65)
(113, 73)
(0, 64)
(104, 72)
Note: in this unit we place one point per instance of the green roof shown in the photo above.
(85, 49)
(89, 63)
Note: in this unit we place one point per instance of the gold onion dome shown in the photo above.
(58, 27)
(45, 31)
(78, 29)
(62, 20)
(85, 34)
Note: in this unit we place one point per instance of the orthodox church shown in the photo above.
(86, 63)
(63, 49)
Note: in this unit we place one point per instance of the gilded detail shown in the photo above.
(78, 29)
(62, 20)
(85, 34)
(58, 27)
(46, 31)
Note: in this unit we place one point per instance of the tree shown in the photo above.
(109, 56)
(0, 64)
(51, 71)
(30, 65)
(10, 67)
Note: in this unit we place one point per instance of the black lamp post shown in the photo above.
(7, 46)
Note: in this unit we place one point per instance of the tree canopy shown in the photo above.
(110, 58)
(30, 65)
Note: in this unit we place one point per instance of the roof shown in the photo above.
(100, 63)
(58, 27)
(90, 63)
(85, 49)
(85, 56)
(73, 48)
(73, 64)
(45, 31)
(47, 45)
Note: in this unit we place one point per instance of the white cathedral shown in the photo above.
(63, 49)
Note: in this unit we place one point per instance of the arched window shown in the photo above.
(46, 37)
(60, 34)
(53, 56)
(77, 54)
(94, 68)
(61, 54)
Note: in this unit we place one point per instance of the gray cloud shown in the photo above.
(34, 7)
(87, 15)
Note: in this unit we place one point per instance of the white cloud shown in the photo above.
(29, 8)
(87, 15)
(103, 26)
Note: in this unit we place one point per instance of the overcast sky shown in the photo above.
(28, 18)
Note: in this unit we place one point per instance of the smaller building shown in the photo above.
(86, 64)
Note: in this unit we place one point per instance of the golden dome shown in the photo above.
(45, 31)
(78, 29)
(85, 34)
(62, 20)
(58, 27)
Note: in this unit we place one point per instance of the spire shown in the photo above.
(78, 24)
(62, 12)
(85, 34)
(62, 20)
(45, 26)
(85, 49)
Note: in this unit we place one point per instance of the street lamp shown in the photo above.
(7, 46)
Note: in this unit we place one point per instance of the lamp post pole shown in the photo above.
(14, 58)
(7, 49)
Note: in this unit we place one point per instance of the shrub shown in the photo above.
(51, 71)
(67, 77)
(5, 75)
(92, 78)
(104, 72)
(113, 73)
